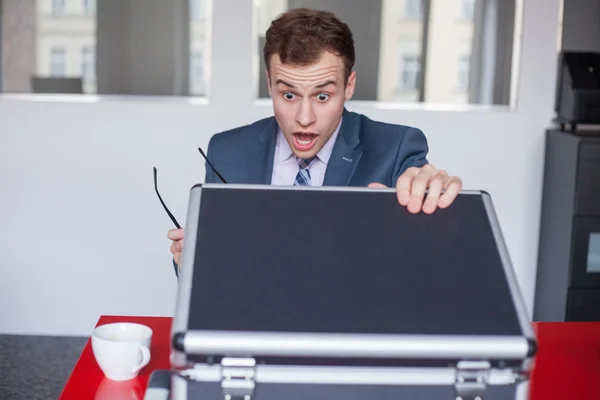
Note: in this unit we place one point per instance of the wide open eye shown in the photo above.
(289, 96)
(323, 97)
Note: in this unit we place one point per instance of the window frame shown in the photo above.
(413, 10)
(58, 11)
(54, 50)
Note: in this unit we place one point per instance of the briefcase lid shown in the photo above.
(345, 276)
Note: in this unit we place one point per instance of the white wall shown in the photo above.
(83, 234)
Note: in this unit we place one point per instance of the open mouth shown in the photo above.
(305, 141)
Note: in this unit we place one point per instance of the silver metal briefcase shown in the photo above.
(328, 292)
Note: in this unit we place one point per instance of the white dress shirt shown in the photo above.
(285, 166)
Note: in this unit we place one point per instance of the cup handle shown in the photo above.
(145, 358)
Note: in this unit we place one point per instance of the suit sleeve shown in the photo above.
(412, 152)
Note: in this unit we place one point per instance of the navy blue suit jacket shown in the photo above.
(365, 151)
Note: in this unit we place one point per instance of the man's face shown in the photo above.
(308, 101)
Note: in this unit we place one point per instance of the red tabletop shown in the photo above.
(567, 365)
(87, 380)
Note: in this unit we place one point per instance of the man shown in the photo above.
(312, 139)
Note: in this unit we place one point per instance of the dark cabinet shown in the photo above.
(568, 270)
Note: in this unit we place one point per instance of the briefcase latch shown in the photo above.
(237, 378)
(471, 380)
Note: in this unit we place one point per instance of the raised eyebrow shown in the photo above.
(324, 84)
(282, 82)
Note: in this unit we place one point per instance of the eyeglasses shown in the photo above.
(211, 166)
(160, 197)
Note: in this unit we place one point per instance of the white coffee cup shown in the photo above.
(121, 349)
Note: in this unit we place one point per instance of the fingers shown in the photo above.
(419, 185)
(176, 249)
(177, 246)
(175, 234)
(376, 185)
(404, 184)
(426, 189)
(436, 185)
(452, 186)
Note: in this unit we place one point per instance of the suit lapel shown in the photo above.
(346, 152)
(260, 162)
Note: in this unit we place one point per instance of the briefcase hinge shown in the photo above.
(237, 378)
(472, 378)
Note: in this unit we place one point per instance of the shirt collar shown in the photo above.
(283, 151)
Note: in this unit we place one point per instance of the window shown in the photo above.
(432, 46)
(197, 69)
(58, 7)
(409, 73)
(463, 72)
(467, 10)
(197, 10)
(413, 9)
(412, 53)
(41, 42)
(197, 73)
(199, 50)
(57, 61)
(88, 65)
(89, 7)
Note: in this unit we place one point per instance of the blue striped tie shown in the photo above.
(303, 176)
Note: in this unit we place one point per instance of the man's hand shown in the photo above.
(414, 182)
(176, 235)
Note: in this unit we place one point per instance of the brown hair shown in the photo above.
(301, 35)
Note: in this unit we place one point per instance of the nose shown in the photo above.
(305, 115)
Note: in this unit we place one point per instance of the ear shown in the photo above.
(268, 81)
(350, 85)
